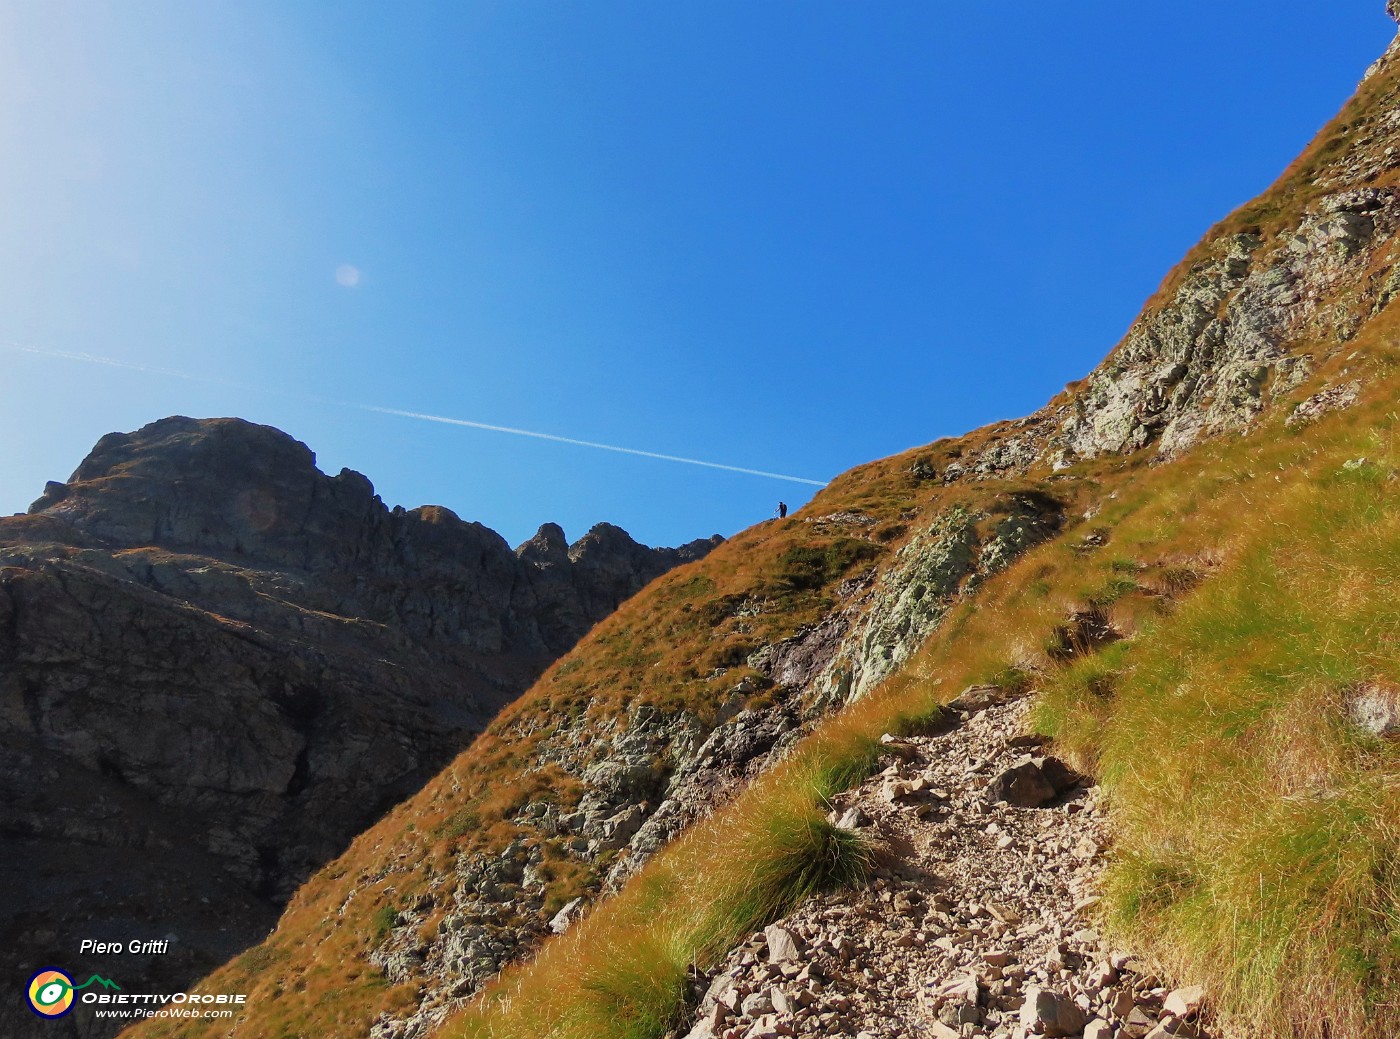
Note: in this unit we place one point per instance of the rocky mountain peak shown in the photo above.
(603, 537)
(220, 485)
(549, 547)
(237, 489)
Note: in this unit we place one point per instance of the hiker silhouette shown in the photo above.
(782, 510)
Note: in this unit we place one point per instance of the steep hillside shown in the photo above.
(1188, 556)
(217, 665)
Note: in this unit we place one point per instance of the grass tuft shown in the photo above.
(622, 972)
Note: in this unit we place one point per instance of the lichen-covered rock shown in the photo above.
(1375, 709)
(1210, 360)
(913, 595)
(949, 556)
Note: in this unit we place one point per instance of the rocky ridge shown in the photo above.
(221, 664)
(1256, 307)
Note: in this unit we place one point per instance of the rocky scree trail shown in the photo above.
(978, 920)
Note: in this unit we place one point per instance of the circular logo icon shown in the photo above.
(51, 993)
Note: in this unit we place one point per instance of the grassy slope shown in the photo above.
(660, 648)
(1255, 844)
(1259, 834)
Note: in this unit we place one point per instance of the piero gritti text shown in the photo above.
(136, 947)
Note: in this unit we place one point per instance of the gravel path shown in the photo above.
(978, 921)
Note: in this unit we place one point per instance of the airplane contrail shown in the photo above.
(583, 443)
(113, 362)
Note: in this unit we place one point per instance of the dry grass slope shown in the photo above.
(312, 976)
(1259, 842)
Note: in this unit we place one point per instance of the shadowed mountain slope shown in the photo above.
(217, 665)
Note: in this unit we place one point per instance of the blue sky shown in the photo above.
(790, 237)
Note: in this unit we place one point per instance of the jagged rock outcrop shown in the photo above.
(1258, 306)
(218, 664)
(1209, 363)
(1245, 325)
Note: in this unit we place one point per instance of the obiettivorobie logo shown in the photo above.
(51, 991)
(52, 994)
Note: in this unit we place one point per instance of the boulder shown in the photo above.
(963, 989)
(1050, 1013)
(1032, 782)
(572, 912)
(1137, 1023)
(757, 1004)
(978, 698)
(1184, 1002)
(1375, 709)
(783, 945)
(851, 819)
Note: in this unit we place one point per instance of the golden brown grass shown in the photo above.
(1258, 834)
(665, 647)
(623, 971)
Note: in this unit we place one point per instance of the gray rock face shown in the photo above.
(1243, 327)
(217, 665)
(911, 597)
(572, 912)
(1334, 398)
(1210, 362)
